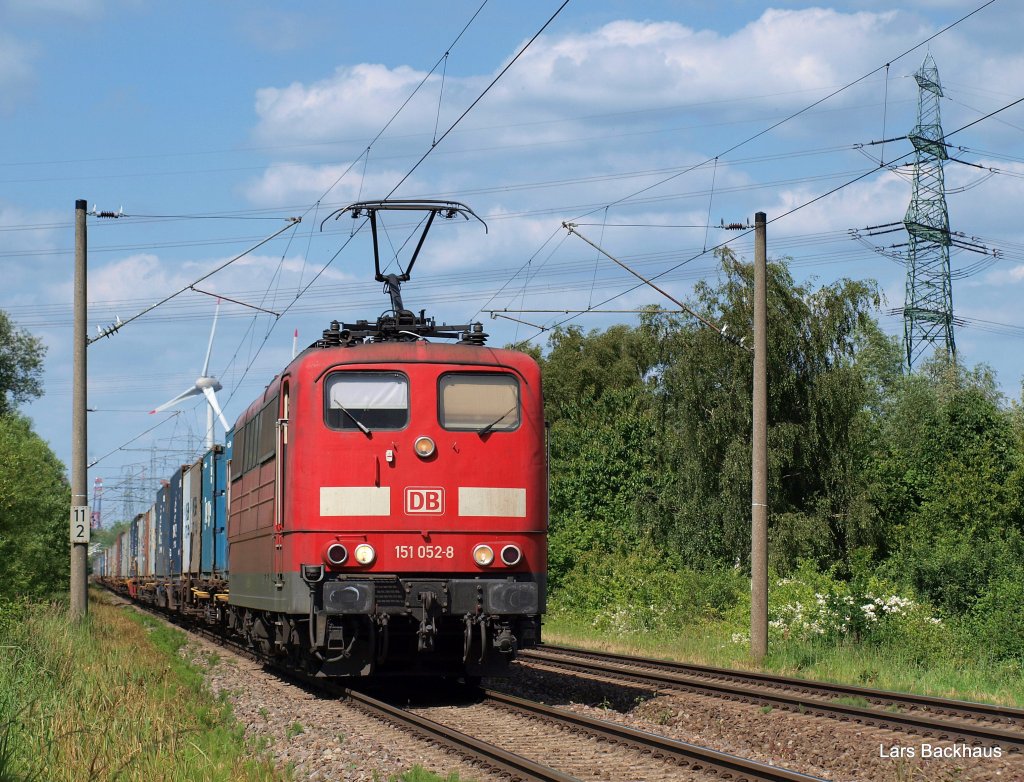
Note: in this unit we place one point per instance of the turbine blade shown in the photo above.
(183, 395)
(209, 347)
(211, 397)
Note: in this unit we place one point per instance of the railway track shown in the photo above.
(974, 723)
(639, 748)
(647, 746)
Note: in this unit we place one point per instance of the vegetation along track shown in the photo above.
(963, 720)
(624, 752)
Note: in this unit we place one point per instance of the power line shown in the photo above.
(632, 197)
(480, 97)
(773, 220)
(119, 324)
(442, 58)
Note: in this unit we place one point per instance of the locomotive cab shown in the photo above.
(411, 483)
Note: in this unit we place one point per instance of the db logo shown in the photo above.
(421, 500)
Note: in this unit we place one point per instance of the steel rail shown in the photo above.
(693, 756)
(968, 709)
(927, 726)
(491, 755)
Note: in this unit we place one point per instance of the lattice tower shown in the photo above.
(928, 308)
(96, 518)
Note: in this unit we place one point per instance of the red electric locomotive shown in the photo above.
(387, 505)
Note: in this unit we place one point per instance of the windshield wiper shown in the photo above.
(500, 418)
(356, 421)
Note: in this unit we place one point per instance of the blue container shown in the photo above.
(221, 551)
(207, 525)
(214, 542)
(213, 557)
(162, 532)
(174, 521)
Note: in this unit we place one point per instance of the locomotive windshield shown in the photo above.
(478, 403)
(367, 400)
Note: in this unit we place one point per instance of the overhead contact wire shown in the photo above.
(480, 97)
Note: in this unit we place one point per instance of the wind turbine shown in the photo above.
(206, 385)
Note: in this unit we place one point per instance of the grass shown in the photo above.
(111, 699)
(853, 700)
(420, 774)
(889, 667)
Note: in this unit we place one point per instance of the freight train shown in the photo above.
(381, 508)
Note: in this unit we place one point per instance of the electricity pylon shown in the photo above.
(928, 307)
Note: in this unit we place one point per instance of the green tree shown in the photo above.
(818, 433)
(650, 436)
(21, 365)
(34, 495)
(949, 474)
(599, 403)
(34, 501)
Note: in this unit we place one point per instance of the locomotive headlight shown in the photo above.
(423, 446)
(483, 555)
(511, 555)
(365, 554)
(336, 554)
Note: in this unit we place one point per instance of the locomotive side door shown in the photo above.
(280, 481)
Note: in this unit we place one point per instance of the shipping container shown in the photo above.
(163, 523)
(193, 501)
(144, 562)
(151, 540)
(214, 540)
(126, 554)
(133, 548)
(196, 503)
(186, 518)
(139, 558)
(174, 520)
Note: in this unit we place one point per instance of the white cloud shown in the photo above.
(625, 64)
(302, 183)
(875, 200)
(122, 279)
(354, 101)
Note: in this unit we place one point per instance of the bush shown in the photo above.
(639, 591)
(996, 625)
(811, 606)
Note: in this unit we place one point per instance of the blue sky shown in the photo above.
(211, 124)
